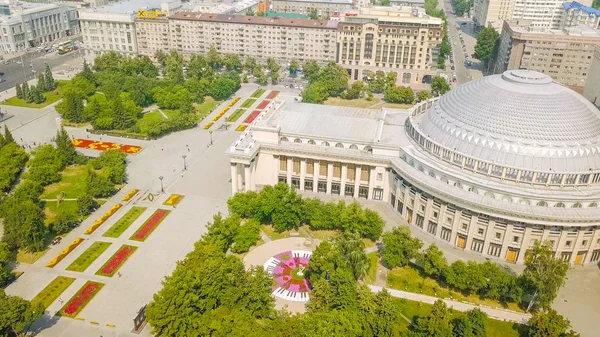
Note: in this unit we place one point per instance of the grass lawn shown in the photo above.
(151, 117)
(89, 256)
(53, 291)
(494, 328)
(306, 232)
(51, 97)
(247, 103)
(412, 280)
(372, 272)
(126, 220)
(258, 92)
(25, 256)
(171, 113)
(357, 103)
(236, 115)
(52, 208)
(205, 107)
(72, 183)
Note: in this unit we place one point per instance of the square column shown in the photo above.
(329, 176)
(357, 180)
(316, 168)
(372, 178)
(247, 185)
(343, 179)
(302, 173)
(289, 167)
(234, 177)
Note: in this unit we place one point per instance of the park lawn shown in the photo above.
(357, 103)
(53, 290)
(52, 208)
(25, 256)
(306, 232)
(171, 113)
(51, 97)
(205, 107)
(258, 92)
(72, 183)
(124, 222)
(88, 256)
(494, 328)
(371, 276)
(410, 279)
(150, 117)
(247, 103)
(236, 115)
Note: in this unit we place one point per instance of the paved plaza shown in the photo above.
(206, 187)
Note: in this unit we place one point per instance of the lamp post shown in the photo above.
(184, 165)
(161, 183)
(211, 141)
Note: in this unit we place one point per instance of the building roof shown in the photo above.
(518, 119)
(576, 5)
(286, 15)
(256, 20)
(342, 2)
(127, 7)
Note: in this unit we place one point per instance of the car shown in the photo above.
(468, 63)
(452, 67)
(2, 80)
(301, 86)
(18, 62)
(295, 86)
(56, 240)
(1, 73)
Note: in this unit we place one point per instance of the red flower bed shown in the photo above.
(263, 105)
(83, 296)
(116, 261)
(252, 116)
(150, 224)
(105, 146)
(272, 94)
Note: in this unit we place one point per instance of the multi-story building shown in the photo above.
(33, 24)
(402, 40)
(539, 13)
(592, 85)
(565, 55)
(492, 12)
(152, 35)
(260, 37)
(575, 14)
(324, 8)
(490, 168)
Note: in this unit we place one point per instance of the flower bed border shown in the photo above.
(130, 195)
(64, 253)
(121, 263)
(252, 116)
(104, 146)
(272, 94)
(241, 127)
(263, 105)
(103, 219)
(85, 302)
(177, 199)
(208, 125)
(133, 237)
(235, 100)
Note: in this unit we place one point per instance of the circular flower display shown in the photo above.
(290, 273)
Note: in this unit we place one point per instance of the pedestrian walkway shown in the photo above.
(499, 314)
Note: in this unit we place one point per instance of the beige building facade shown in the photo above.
(324, 8)
(455, 167)
(592, 85)
(405, 41)
(565, 55)
(152, 35)
(492, 12)
(103, 32)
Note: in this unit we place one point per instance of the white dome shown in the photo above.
(518, 119)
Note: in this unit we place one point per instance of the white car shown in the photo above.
(18, 62)
(301, 87)
(296, 86)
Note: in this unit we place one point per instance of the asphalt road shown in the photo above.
(15, 73)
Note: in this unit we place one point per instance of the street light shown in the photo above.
(210, 132)
(184, 165)
(161, 184)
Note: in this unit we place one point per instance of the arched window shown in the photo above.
(353, 147)
(284, 139)
(406, 78)
(473, 190)
(490, 195)
(369, 149)
(458, 185)
(444, 180)
(339, 145)
(542, 203)
(525, 201)
(507, 198)
(577, 205)
(593, 204)
(312, 142)
(560, 205)
(297, 140)
(325, 143)
(432, 174)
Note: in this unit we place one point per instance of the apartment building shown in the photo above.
(565, 55)
(401, 40)
(152, 35)
(592, 85)
(575, 14)
(260, 37)
(324, 8)
(33, 24)
(492, 12)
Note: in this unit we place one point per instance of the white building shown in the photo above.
(592, 85)
(490, 167)
(575, 14)
(33, 24)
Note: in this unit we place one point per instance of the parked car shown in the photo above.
(56, 240)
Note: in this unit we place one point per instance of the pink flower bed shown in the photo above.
(110, 268)
(273, 94)
(150, 224)
(83, 296)
(252, 116)
(263, 105)
(285, 272)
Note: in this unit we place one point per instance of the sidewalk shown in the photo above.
(503, 315)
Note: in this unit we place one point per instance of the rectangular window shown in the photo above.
(282, 179)
(446, 233)
(363, 192)
(365, 173)
(595, 255)
(322, 187)
(377, 194)
(323, 168)
(296, 183)
(351, 172)
(477, 246)
(400, 206)
(515, 239)
(480, 231)
(296, 165)
(337, 170)
(282, 163)
(419, 221)
(349, 190)
(308, 185)
(310, 167)
(431, 227)
(379, 176)
(494, 250)
(498, 236)
(335, 189)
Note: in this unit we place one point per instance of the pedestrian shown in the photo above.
(182, 174)
(162, 148)
(188, 149)
(119, 273)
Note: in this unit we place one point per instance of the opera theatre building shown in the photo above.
(490, 167)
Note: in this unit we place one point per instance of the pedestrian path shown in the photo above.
(499, 314)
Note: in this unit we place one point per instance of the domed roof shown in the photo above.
(519, 119)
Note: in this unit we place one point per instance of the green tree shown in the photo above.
(174, 70)
(8, 137)
(471, 324)
(548, 323)
(281, 206)
(313, 15)
(232, 62)
(403, 95)
(311, 70)
(423, 95)
(98, 186)
(293, 67)
(65, 221)
(19, 90)
(122, 118)
(433, 262)
(352, 251)
(46, 165)
(314, 93)
(439, 86)
(378, 83)
(399, 247)
(87, 72)
(247, 236)
(391, 78)
(12, 162)
(355, 91)
(243, 204)
(111, 162)
(41, 82)
(24, 224)
(545, 273)
(437, 323)
(86, 204)
(186, 107)
(92, 110)
(250, 64)
(161, 57)
(486, 42)
(65, 146)
(50, 84)
(25, 91)
(214, 59)
(17, 314)
(6, 259)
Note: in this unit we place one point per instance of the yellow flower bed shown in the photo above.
(235, 100)
(100, 221)
(207, 126)
(64, 253)
(130, 194)
(242, 127)
(174, 199)
(220, 114)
